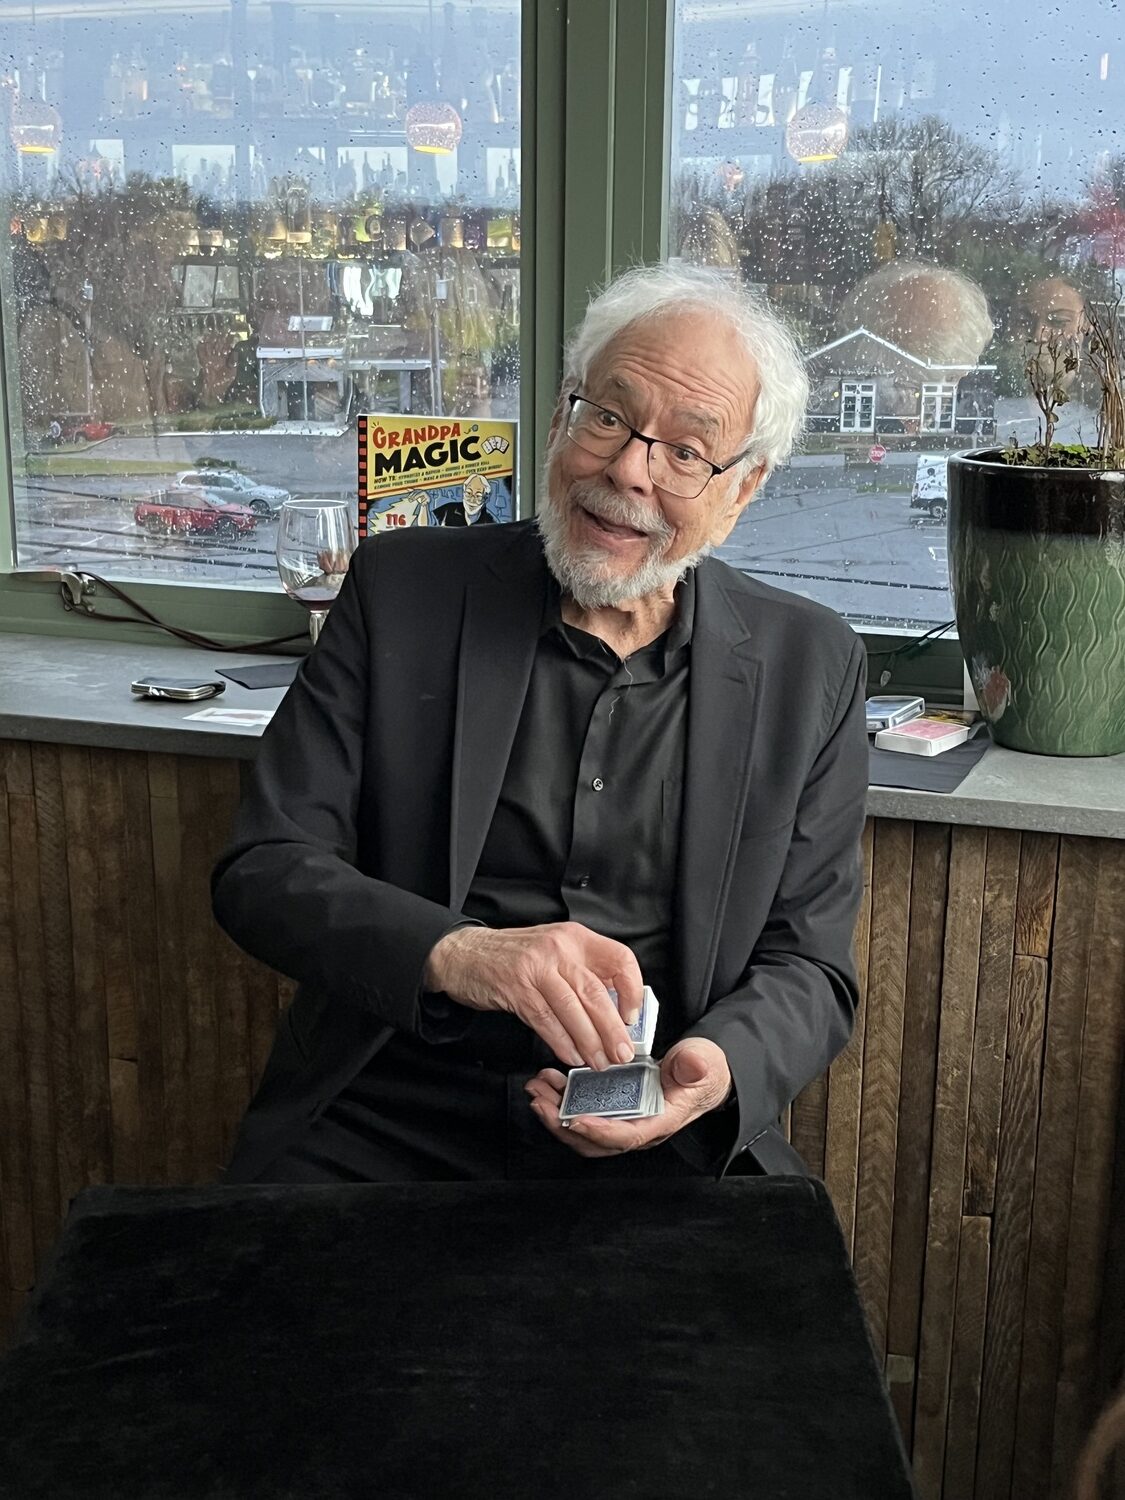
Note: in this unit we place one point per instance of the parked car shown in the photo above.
(930, 490)
(78, 427)
(261, 498)
(187, 510)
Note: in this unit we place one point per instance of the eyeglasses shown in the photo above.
(672, 467)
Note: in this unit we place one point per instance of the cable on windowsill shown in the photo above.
(145, 616)
(908, 649)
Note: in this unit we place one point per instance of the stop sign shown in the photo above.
(877, 453)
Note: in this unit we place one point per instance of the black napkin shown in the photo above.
(269, 674)
(926, 773)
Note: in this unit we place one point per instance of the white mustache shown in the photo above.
(607, 505)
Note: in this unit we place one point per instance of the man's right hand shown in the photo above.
(554, 977)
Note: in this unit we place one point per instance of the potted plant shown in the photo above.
(1037, 561)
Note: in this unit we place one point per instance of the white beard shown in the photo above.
(585, 575)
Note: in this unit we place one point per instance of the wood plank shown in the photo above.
(107, 814)
(15, 1171)
(961, 959)
(1054, 1166)
(809, 1122)
(39, 1125)
(58, 972)
(1111, 1346)
(232, 996)
(124, 1104)
(845, 1076)
(198, 978)
(139, 900)
(882, 1068)
(1011, 1234)
(15, 768)
(166, 822)
(968, 1352)
(89, 918)
(1035, 903)
(1103, 1057)
(990, 1033)
(898, 1372)
(928, 895)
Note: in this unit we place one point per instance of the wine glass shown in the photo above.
(315, 541)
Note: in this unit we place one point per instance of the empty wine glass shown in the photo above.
(315, 542)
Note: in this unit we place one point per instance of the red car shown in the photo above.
(79, 427)
(193, 512)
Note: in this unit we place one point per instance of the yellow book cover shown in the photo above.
(434, 471)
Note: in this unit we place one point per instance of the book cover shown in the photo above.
(923, 736)
(434, 471)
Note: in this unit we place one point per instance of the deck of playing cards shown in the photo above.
(623, 1091)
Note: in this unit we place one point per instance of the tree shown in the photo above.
(927, 180)
(110, 279)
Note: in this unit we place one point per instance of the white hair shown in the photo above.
(650, 292)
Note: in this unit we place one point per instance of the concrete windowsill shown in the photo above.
(76, 692)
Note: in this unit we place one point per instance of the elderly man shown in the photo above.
(529, 764)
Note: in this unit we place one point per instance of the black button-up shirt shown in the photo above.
(587, 825)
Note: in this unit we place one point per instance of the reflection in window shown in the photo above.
(242, 219)
(920, 212)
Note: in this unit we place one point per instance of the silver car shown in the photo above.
(238, 488)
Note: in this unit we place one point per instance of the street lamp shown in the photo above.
(87, 310)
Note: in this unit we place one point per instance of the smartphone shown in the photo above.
(185, 689)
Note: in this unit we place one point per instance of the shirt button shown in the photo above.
(597, 783)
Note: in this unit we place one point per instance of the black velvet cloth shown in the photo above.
(926, 773)
(471, 1340)
(269, 674)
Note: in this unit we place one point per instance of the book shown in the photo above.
(922, 736)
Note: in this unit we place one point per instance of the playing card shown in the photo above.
(643, 1030)
(625, 1091)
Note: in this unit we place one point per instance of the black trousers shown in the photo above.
(445, 1113)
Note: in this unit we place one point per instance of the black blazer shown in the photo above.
(373, 791)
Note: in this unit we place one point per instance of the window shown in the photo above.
(938, 405)
(857, 406)
(920, 210)
(232, 228)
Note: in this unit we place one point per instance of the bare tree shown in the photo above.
(927, 180)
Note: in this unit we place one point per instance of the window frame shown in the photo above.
(595, 146)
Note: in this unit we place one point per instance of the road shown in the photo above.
(842, 534)
(863, 551)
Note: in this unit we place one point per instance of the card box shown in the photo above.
(922, 736)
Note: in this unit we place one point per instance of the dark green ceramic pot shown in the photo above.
(1037, 572)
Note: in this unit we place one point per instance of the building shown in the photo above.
(862, 383)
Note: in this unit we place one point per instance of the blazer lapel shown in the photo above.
(499, 636)
(721, 730)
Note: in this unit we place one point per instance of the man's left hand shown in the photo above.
(695, 1078)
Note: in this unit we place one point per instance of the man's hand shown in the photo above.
(695, 1077)
(553, 977)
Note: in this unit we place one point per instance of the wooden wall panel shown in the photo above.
(960, 964)
(994, 983)
(928, 897)
(1054, 1167)
(882, 1066)
(1103, 1053)
(971, 1134)
(1015, 1181)
(967, 1357)
(845, 1076)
